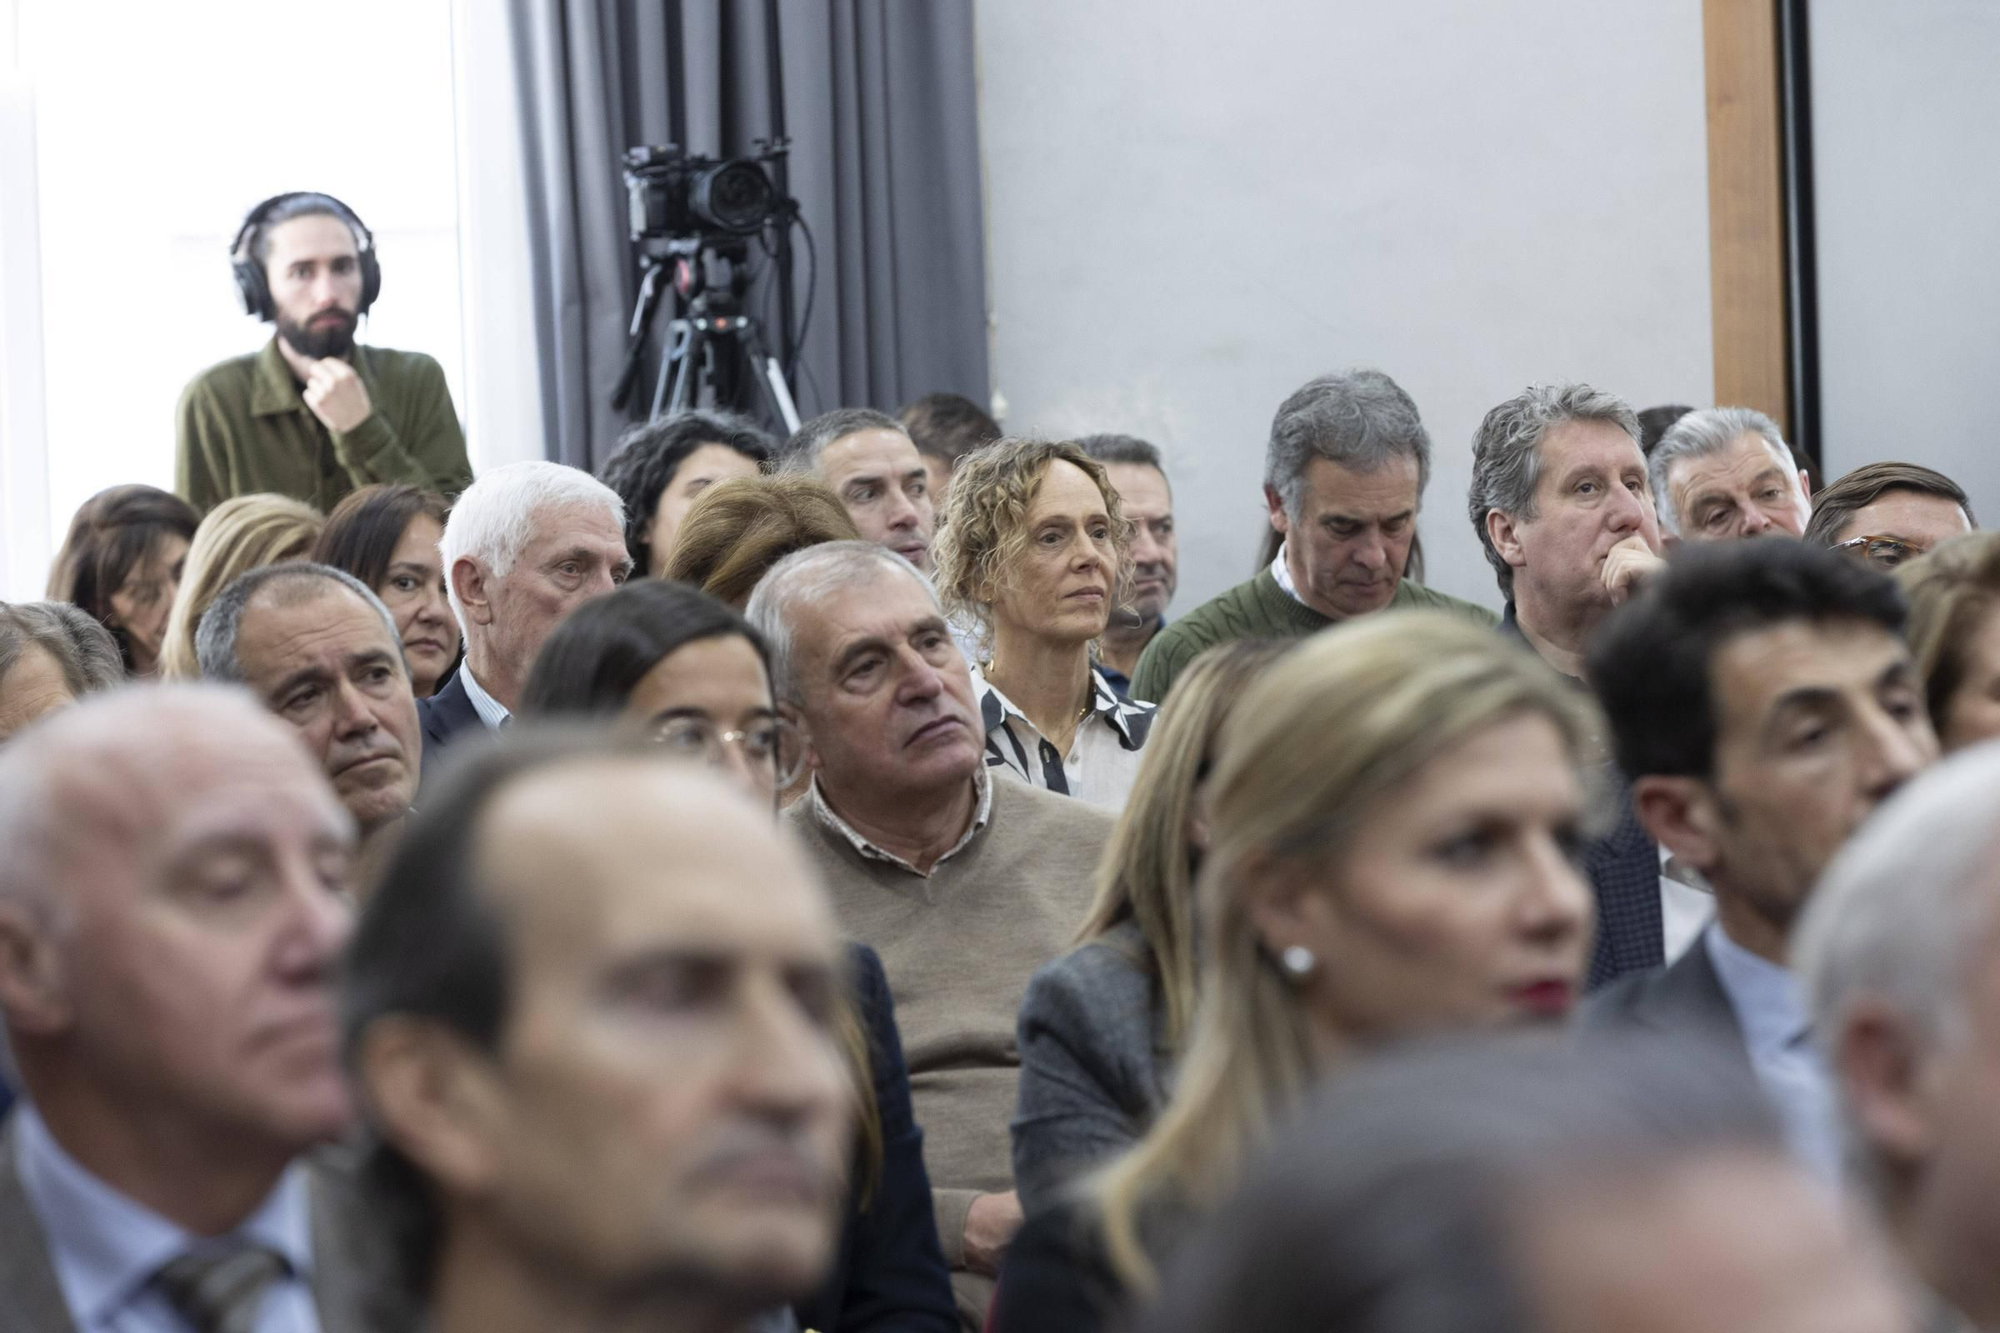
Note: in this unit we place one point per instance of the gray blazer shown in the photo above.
(1685, 999)
(1094, 1064)
(349, 1286)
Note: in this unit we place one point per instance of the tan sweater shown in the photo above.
(959, 947)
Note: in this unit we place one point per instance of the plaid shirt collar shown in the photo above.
(982, 814)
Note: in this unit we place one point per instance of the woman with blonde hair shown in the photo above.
(242, 533)
(1393, 819)
(1954, 633)
(1032, 552)
(736, 530)
(1100, 1026)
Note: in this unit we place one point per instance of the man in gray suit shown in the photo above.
(173, 900)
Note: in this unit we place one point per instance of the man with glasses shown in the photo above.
(1889, 513)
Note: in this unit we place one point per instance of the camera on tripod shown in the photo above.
(680, 196)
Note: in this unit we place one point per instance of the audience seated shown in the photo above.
(524, 546)
(1726, 472)
(946, 427)
(387, 536)
(868, 461)
(1140, 478)
(51, 655)
(1344, 477)
(663, 466)
(1890, 512)
(122, 562)
(1560, 501)
(684, 671)
(1033, 556)
(241, 534)
(319, 650)
(1899, 952)
(1955, 636)
(1100, 1027)
(173, 901)
(963, 883)
(590, 1018)
(1392, 818)
(315, 414)
(1531, 1188)
(1763, 702)
(737, 530)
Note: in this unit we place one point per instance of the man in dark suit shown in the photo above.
(591, 1012)
(1560, 502)
(1762, 698)
(525, 545)
(173, 901)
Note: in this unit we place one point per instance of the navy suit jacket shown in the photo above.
(1623, 867)
(890, 1276)
(444, 716)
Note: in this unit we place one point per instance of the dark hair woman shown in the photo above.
(678, 663)
(121, 563)
(387, 536)
(662, 466)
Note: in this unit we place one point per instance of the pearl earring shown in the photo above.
(1298, 961)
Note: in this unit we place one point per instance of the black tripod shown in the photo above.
(716, 339)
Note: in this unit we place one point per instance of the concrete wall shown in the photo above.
(1193, 208)
(1908, 222)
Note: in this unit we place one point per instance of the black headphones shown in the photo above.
(251, 283)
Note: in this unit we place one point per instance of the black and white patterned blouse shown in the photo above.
(1103, 760)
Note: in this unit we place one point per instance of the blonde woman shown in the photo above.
(1031, 553)
(1393, 817)
(240, 534)
(1100, 1026)
(1954, 633)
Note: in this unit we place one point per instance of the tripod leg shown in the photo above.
(686, 372)
(770, 378)
(670, 363)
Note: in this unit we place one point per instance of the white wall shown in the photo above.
(1908, 216)
(1194, 208)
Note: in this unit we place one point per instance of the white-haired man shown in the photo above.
(1727, 472)
(1900, 955)
(963, 884)
(525, 545)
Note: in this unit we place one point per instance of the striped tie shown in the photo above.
(221, 1291)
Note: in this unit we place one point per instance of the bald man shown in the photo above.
(610, 1089)
(173, 901)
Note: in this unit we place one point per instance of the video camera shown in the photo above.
(678, 196)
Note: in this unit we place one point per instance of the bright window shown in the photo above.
(155, 128)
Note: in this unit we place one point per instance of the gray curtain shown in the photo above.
(880, 109)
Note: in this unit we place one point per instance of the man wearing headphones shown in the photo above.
(314, 415)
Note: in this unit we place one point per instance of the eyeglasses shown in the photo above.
(1887, 552)
(774, 745)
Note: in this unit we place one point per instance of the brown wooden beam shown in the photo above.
(1746, 206)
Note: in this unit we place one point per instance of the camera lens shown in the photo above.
(735, 196)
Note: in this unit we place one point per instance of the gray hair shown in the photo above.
(1703, 434)
(1128, 449)
(1360, 420)
(494, 519)
(292, 582)
(801, 452)
(83, 649)
(1904, 908)
(1385, 1207)
(807, 576)
(1507, 453)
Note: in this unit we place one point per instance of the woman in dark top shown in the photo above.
(387, 536)
(122, 563)
(1393, 816)
(681, 665)
(662, 466)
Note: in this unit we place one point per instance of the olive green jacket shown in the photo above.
(244, 426)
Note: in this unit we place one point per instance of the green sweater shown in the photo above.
(1260, 609)
(243, 426)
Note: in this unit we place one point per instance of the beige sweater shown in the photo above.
(959, 947)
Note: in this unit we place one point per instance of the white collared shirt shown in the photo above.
(106, 1248)
(491, 711)
(1283, 574)
(1103, 759)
